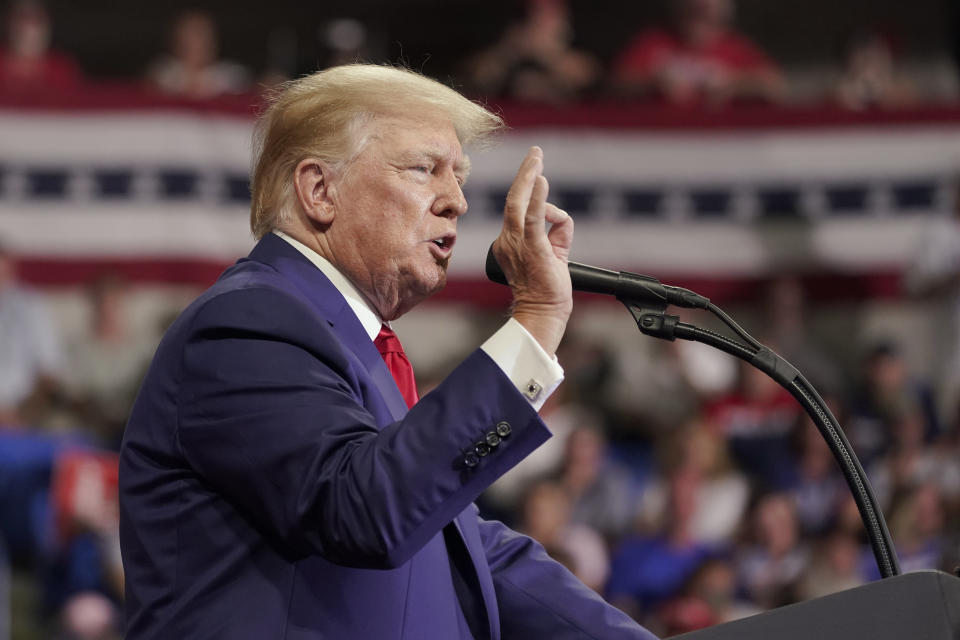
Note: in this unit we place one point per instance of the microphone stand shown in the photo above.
(652, 320)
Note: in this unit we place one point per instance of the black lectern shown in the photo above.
(914, 606)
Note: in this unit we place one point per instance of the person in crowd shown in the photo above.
(534, 59)
(649, 568)
(757, 419)
(710, 597)
(547, 519)
(278, 438)
(721, 491)
(772, 563)
(82, 563)
(590, 367)
(911, 461)
(87, 616)
(31, 352)
(346, 40)
(699, 60)
(835, 566)
(917, 526)
(27, 62)
(848, 516)
(816, 484)
(660, 385)
(886, 394)
(602, 491)
(869, 77)
(58, 504)
(107, 361)
(193, 68)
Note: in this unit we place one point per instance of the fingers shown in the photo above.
(561, 233)
(518, 198)
(537, 208)
(527, 212)
(556, 215)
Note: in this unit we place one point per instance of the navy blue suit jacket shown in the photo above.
(273, 484)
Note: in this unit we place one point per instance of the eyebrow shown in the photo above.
(461, 167)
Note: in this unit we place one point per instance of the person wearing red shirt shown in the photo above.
(700, 60)
(757, 420)
(26, 62)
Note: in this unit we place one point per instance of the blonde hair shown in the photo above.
(326, 115)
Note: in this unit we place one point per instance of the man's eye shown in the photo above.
(421, 168)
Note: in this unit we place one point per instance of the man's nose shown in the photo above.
(450, 202)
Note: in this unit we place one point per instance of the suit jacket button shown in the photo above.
(503, 429)
(481, 449)
(492, 439)
(471, 459)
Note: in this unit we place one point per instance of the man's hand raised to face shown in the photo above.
(533, 258)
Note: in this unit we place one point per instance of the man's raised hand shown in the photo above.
(533, 258)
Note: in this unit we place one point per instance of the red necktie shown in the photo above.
(392, 353)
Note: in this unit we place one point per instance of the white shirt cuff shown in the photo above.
(535, 373)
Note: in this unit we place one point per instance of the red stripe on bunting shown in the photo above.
(42, 271)
(609, 114)
(823, 286)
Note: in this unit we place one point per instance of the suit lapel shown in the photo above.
(317, 289)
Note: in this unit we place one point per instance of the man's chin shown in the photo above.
(420, 289)
(435, 279)
(435, 285)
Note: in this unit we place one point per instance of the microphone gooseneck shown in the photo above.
(647, 299)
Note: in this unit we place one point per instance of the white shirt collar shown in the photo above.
(364, 311)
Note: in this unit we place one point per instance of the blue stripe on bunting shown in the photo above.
(575, 200)
(711, 202)
(643, 202)
(47, 183)
(914, 195)
(178, 184)
(237, 188)
(705, 201)
(779, 202)
(113, 183)
(847, 199)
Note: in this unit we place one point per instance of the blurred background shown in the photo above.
(796, 162)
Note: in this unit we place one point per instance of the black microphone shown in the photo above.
(623, 285)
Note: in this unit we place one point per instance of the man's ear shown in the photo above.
(311, 182)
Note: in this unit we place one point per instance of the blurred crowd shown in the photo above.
(698, 491)
(687, 489)
(696, 57)
(64, 400)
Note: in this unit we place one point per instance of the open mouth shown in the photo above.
(444, 243)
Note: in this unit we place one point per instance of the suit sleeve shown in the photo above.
(540, 598)
(271, 416)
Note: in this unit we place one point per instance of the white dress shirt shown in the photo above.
(535, 373)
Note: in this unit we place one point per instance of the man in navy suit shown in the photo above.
(275, 482)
